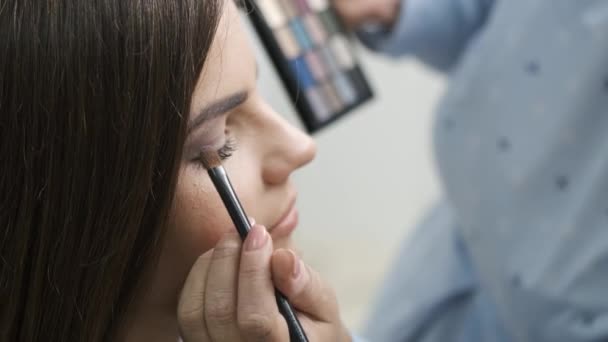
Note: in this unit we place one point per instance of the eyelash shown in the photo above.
(223, 152)
(227, 150)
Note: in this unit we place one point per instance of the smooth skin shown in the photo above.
(228, 294)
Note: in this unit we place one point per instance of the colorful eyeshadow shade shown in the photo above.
(318, 103)
(332, 97)
(318, 5)
(342, 52)
(329, 22)
(345, 89)
(302, 6)
(302, 71)
(316, 65)
(289, 8)
(300, 32)
(329, 61)
(310, 49)
(287, 42)
(273, 13)
(315, 29)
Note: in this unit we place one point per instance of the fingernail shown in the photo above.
(251, 221)
(297, 266)
(257, 238)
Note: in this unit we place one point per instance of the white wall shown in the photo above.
(372, 179)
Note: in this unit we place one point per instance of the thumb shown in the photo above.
(385, 12)
(361, 12)
(303, 286)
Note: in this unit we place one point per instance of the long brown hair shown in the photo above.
(94, 100)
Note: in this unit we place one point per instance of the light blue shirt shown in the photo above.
(518, 249)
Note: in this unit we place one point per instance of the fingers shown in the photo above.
(229, 294)
(192, 302)
(304, 288)
(388, 13)
(221, 291)
(355, 13)
(258, 316)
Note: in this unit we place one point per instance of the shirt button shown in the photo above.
(516, 281)
(587, 318)
(532, 68)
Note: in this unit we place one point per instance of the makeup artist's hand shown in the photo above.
(229, 295)
(357, 12)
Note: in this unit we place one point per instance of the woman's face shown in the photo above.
(228, 111)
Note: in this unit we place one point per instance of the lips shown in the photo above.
(287, 223)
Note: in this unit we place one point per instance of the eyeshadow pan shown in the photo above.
(318, 103)
(331, 65)
(318, 5)
(345, 89)
(289, 8)
(303, 74)
(332, 97)
(343, 54)
(358, 81)
(329, 21)
(287, 42)
(316, 65)
(273, 13)
(315, 29)
(300, 32)
(302, 6)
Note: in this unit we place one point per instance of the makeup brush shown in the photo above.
(213, 164)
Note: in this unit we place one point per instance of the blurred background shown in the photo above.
(373, 178)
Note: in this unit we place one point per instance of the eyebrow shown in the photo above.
(218, 108)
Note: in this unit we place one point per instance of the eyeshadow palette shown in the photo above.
(311, 51)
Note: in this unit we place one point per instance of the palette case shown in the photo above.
(314, 57)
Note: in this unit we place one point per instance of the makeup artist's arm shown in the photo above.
(436, 31)
(229, 295)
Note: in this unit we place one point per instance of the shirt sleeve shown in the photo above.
(436, 31)
(432, 293)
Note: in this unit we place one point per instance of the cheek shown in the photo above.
(198, 218)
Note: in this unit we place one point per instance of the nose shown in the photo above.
(288, 149)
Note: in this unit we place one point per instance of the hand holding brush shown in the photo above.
(230, 293)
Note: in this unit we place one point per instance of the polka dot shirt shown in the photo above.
(518, 250)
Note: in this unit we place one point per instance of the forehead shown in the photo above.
(230, 66)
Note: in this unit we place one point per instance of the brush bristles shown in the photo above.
(210, 159)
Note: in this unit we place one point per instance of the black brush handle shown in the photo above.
(231, 201)
(241, 221)
(296, 332)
